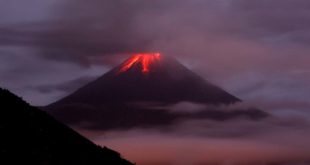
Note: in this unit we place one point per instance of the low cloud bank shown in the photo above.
(280, 139)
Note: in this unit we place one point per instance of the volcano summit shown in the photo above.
(143, 78)
(149, 77)
(144, 60)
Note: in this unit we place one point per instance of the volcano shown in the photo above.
(149, 77)
(143, 78)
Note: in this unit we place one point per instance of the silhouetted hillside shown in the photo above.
(30, 136)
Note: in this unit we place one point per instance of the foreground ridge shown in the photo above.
(33, 137)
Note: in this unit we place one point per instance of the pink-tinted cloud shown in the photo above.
(204, 142)
(254, 49)
(280, 139)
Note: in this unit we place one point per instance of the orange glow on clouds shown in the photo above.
(145, 60)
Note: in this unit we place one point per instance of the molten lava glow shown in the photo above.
(144, 59)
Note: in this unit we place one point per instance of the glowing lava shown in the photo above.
(145, 60)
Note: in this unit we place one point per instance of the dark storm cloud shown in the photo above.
(124, 26)
(78, 33)
(67, 87)
(239, 43)
(278, 20)
(63, 43)
(83, 30)
(23, 72)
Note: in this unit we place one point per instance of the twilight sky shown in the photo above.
(257, 50)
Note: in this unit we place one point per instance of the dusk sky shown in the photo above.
(258, 50)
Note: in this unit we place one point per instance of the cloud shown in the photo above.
(69, 86)
(280, 139)
(17, 11)
(257, 50)
(254, 49)
(25, 74)
(79, 30)
(237, 142)
(162, 149)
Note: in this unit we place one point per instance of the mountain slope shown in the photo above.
(31, 136)
(149, 77)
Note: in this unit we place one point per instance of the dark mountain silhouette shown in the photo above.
(147, 78)
(30, 136)
(160, 79)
